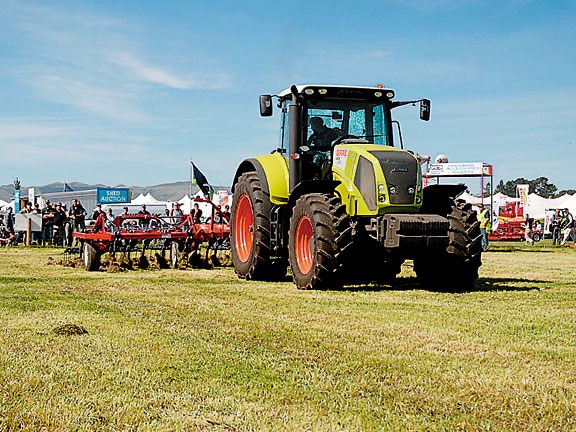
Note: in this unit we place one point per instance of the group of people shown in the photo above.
(58, 223)
(562, 227)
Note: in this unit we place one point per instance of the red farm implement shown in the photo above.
(139, 232)
(511, 224)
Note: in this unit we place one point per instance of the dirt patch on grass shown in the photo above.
(70, 330)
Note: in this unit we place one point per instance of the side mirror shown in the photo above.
(425, 109)
(265, 105)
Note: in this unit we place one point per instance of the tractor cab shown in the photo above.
(315, 119)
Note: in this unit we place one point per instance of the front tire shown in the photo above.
(250, 231)
(457, 268)
(319, 235)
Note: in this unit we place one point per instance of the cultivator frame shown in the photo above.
(137, 232)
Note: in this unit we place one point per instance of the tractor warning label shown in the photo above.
(340, 157)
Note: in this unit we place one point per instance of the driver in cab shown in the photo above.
(322, 136)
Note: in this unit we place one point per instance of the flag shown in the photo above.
(67, 188)
(201, 181)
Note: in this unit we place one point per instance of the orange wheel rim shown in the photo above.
(244, 228)
(304, 237)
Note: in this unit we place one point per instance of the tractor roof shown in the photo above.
(300, 88)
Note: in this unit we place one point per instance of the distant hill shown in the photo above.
(163, 192)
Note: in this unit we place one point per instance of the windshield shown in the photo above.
(362, 119)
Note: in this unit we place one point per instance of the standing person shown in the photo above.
(58, 223)
(27, 208)
(47, 223)
(485, 225)
(176, 214)
(9, 220)
(528, 230)
(146, 221)
(36, 236)
(97, 212)
(69, 229)
(22, 234)
(78, 215)
(568, 227)
(143, 211)
(555, 227)
(196, 214)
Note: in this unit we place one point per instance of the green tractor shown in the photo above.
(339, 203)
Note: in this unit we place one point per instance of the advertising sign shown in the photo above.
(113, 195)
(21, 222)
(17, 201)
(340, 157)
(523, 194)
(459, 169)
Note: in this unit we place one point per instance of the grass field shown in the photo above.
(201, 350)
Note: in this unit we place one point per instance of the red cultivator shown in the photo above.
(139, 232)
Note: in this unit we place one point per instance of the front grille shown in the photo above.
(401, 172)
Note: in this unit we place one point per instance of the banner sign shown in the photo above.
(459, 169)
(113, 196)
(21, 222)
(17, 201)
(523, 194)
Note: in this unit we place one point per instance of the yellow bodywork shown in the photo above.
(275, 167)
(345, 164)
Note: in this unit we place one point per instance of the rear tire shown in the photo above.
(91, 257)
(250, 231)
(457, 268)
(318, 239)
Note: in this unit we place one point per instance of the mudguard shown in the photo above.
(272, 170)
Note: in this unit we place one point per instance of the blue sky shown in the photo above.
(128, 92)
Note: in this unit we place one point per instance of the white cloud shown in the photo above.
(157, 75)
(91, 62)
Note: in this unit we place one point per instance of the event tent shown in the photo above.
(536, 206)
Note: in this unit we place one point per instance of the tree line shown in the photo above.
(540, 186)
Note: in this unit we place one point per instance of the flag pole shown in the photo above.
(190, 168)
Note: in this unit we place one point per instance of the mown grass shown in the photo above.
(202, 350)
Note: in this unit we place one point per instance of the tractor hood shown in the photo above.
(380, 179)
